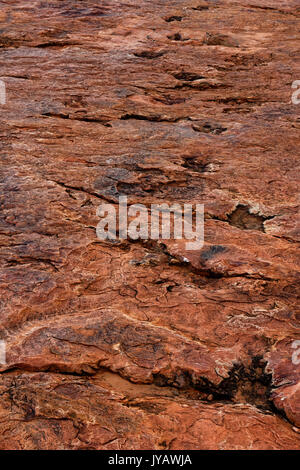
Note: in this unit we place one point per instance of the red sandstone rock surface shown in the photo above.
(137, 345)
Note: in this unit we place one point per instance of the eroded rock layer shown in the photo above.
(146, 345)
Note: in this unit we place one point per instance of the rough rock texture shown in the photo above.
(144, 345)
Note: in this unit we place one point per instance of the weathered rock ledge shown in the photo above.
(139, 345)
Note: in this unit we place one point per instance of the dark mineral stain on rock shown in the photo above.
(212, 251)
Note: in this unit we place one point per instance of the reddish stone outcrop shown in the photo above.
(146, 345)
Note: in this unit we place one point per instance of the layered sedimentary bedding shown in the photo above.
(143, 344)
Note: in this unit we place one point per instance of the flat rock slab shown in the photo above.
(147, 345)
